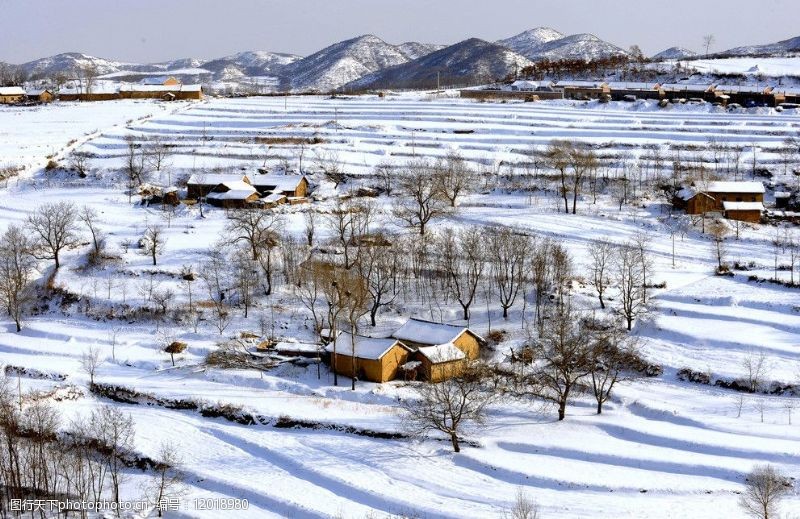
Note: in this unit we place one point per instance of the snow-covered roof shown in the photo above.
(281, 182)
(274, 197)
(624, 85)
(11, 91)
(214, 179)
(426, 332)
(581, 84)
(442, 353)
(695, 87)
(237, 190)
(735, 187)
(752, 89)
(36, 91)
(743, 206)
(98, 87)
(157, 80)
(159, 88)
(365, 347)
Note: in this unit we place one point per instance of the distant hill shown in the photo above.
(545, 43)
(469, 61)
(790, 46)
(346, 61)
(675, 53)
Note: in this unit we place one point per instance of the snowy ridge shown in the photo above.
(675, 53)
(469, 61)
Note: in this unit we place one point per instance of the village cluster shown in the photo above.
(164, 88)
(721, 94)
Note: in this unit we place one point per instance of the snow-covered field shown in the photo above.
(771, 67)
(663, 448)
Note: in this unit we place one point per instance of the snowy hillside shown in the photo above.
(342, 63)
(790, 46)
(70, 62)
(546, 43)
(528, 42)
(292, 443)
(674, 53)
(467, 62)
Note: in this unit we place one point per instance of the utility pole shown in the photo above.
(437, 82)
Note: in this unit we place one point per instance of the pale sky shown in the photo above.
(145, 31)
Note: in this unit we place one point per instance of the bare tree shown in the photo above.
(54, 229)
(612, 355)
(601, 253)
(755, 368)
(563, 354)
(245, 278)
(154, 241)
(629, 277)
(765, 487)
(378, 266)
(453, 177)
(557, 157)
(523, 508)
(507, 252)
(253, 226)
(175, 348)
(79, 162)
(167, 482)
(449, 406)
(115, 433)
(462, 261)
(310, 219)
(718, 231)
(421, 200)
(708, 41)
(16, 273)
(349, 223)
(214, 274)
(90, 361)
(89, 217)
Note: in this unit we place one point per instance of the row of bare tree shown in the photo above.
(86, 460)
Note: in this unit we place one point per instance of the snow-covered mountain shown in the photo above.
(529, 42)
(342, 63)
(72, 61)
(545, 43)
(469, 61)
(675, 53)
(249, 64)
(414, 50)
(790, 46)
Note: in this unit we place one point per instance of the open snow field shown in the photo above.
(662, 448)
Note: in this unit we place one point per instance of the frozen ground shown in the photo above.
(663, 448)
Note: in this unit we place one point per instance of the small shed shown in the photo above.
(376, 360)
(287, 185)
(440, 362)
(743, 211)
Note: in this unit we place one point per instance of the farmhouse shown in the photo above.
(584, 90)
(234, 194)
(292, 186)
(200, 185)
(40, 95)
(11, 95)
(376, 360)
(743, 211)
(698, 201)
(417, 333)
